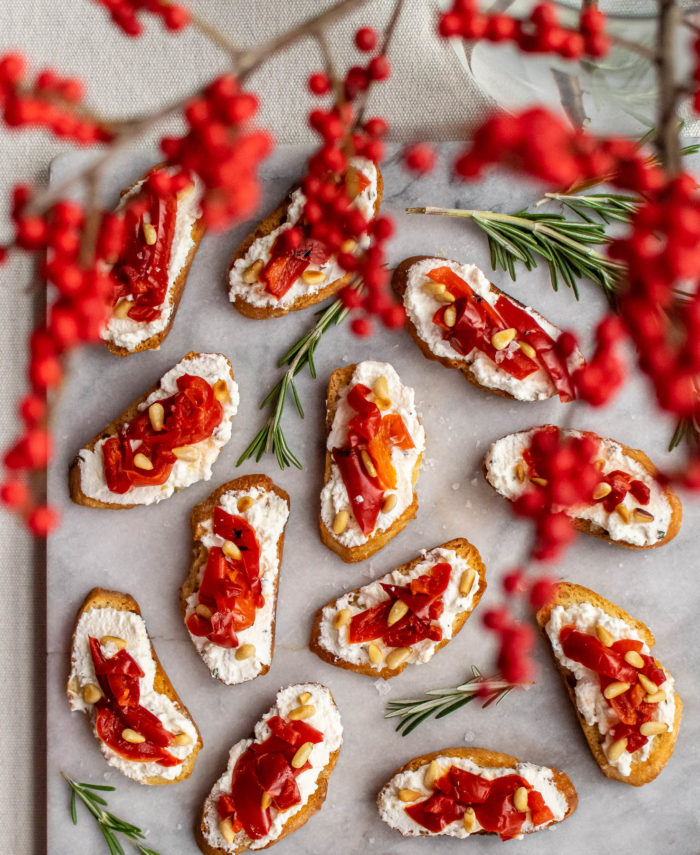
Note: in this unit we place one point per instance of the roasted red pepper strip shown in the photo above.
(364, 492)
(586, 649)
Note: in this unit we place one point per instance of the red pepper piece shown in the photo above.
(365, 425)
(109, 726)
(247, 793)
(641, 492)
(275, 775)
(435, 812)
(587, 650)
(286, 266)
(369, 624)
(539, 811)
(498, 813)
(470, 789)
(410, 630)
(631, 733)
(364, 492)
(296, 733)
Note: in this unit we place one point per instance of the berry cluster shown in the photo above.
(604, 372)
(540, 33)
(125, 14)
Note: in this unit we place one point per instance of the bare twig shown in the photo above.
(667, 139)
(386, 42)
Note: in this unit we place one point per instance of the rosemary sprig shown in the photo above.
(110, 825)
(610, 207)
(270, 438)
(442, 702)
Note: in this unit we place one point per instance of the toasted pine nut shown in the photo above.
(605, 638)
(397, 611)
(520, 471)
(652, 728)
(602, 490)
(503, 338)
(302, 755)
(381, 387)
(313, 277)
(182, 739)
(527, 349)
(397, 657)
(435, 290)
(383, 403)
(231, 550)
(150, 235)
(91, 693)
(340, 523)
(642, 516)
(251, 273)
(469, 819)
(304, 697)
(599, 464)
(389, 503)
(612, 690)
(655, 698)
(408, 795)
(348, 245)
(245, 651)
(520, 799)
(634, 659)
(374, 653)
(541, 482)
(367, 463)
(304, 711)
(203, 611)
(142, 462)
(226, 830)
(623, 513)
(188, 453)
(133, 736)
(450, 316)
(466, 581)
(343, 618)
(113, 639)
(616, 749)
(647, 684)
(156, 415)
(221, 390)
(244, 503)
(432, 773)
(122, 309)
(266, 800)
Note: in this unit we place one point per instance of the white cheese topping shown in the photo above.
(131, 627)
(421, 307)
(210, 366)
(589, 699)
(255, 293)
(268, 517)
(335, 640)
(505, 453)
(128, 333)
(392, 809)
(326, 719)
(334, 496)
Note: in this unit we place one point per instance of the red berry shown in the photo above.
(419, 158)
(394, 317)
(496, 619)
(176, 18)
(361, 327)
(319, 83)
(376, 126)
(379, 68)
(42, 520)
(366, 39)
(14, 493)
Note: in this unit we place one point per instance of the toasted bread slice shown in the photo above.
(323, 757)
(641, 771)
(468, 575)
(175, 289)
(268, 512)
(133, 631)
(506, 386)
(664, 525)
(339, 381)
(90, 456)
(309, 297)
(560, 794)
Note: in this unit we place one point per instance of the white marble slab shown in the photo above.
(146, 552)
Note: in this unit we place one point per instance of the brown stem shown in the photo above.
(386, 42)
(216, 36)
(667, 139)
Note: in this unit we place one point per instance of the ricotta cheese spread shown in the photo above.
(255, 293)
(334, 496)
(128, 333)
(421, 306)
(335, 639)
(267, 516)
(391, 808)
(589, 699)
(325, 719)
(131, 627)
(212, 367)
(505, 453)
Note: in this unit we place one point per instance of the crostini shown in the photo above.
(142, 726)
(459, 318)
(276, 780)
(162, 235)
(405, 617)
(624, 698)
(229, 598)
(165, 441)
(629, 506)
(373, 455)
(266, 279)
(458, 792)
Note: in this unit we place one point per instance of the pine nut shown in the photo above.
(623, 513)
(466, 581)
(340, 523)
(634, 659)
(156, 416)
(381, 387)
(527, 349)
(188, 453)
(599, 464)
(432, 774)
(304, 711)
(313, 277)
(245, 651)
(182, 739)
(397, 657)
(450, 316)
(91, 693)
(266, 800)
(374, 653)
(367, 463)
(541, 482)
(653, 728)
(397, 611)
(655, 698)
(142, 462)
(203, 611)
(602, 490)
(302, 755)
(244, 503)
(520, 471)
(503, 338)
(252, 273)
(612, 690)
(226, 830)
(642, 516)
(221, 390)
(437, 291)
(348, 245)
(231, 550)
(150, 235)
(129, 735)
(408, 795)
(122, 309)
(343, 618)
(304, 697)
(383, 404)
(616, 749)
(520, 799)
(389, 503)
(647, 684)
(469, 820)
(605, 638)
(113, 639)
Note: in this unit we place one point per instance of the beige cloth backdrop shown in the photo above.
(429, 96)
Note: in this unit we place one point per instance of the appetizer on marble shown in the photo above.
(229, 598)
(142, 726)
(266, 279)
(405, 617)
(459, 318)
(629, 506)
(276, 780)
(458, 792)
(624, 698)
(373, 455)
(165, 441)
